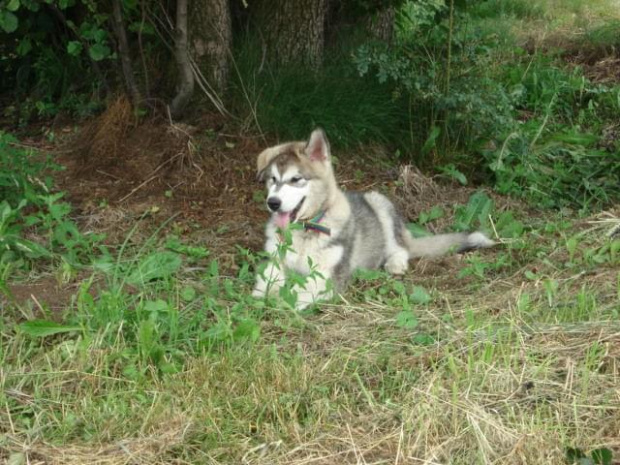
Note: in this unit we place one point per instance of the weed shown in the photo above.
(602, 456)
(33, 223)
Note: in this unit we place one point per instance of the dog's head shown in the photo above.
(299, 178)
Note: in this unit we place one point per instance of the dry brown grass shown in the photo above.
(100, 141)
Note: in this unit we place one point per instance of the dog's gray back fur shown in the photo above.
(361, 238)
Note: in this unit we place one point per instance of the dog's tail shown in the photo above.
(441, 244)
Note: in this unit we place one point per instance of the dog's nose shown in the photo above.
(274, 203)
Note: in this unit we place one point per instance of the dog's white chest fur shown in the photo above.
(307, 249)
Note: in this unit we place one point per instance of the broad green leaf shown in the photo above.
(44, 328)
(25, 45)
(188, 293)
(8, 21)
(420, 295)
(99, 52)
(451, 171)
(157, 265)
(146, 330)
(32, 5)
(247, 329)
(434, 213)
(430, 142)
(507, 226)
(5, 211)
(156, 306)
(31, 249)
(478, 207)
(417, 231)
(64, 4)
(74, 48)
(100, 35)
(423, 339)
(406, 319)
(13, 5)
(602, 456)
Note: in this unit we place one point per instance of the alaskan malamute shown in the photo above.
(339, 231)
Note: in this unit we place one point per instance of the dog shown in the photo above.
(339, 232)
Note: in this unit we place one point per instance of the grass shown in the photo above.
(154, 352)
(513, 363)
(356, 110)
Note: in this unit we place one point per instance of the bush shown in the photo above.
(446, 77)
(556, 170)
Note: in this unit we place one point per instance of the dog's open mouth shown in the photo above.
(283, 219)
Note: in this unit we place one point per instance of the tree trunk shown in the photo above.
(380, 24)
(123, 50)
(186, 86)
(210, 38)
(293, 30)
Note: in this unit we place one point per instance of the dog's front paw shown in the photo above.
(308, 297)
(304, 300)
(397, 263)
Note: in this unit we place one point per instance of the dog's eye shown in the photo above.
(296, 179)
(273, 179)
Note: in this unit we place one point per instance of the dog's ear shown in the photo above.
(264, 159)
(318, 146)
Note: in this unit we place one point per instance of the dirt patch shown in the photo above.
(42, 298)
(598, 68)
(160, 170)
(205, 179)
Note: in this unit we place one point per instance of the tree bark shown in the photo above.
(293, 30)
(210, 38)
(186, 84)
(380, 24)
(123, 50)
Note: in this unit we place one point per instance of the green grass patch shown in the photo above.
(178, 363)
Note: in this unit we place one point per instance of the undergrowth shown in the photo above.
(34, 224)
(291, 101)
(161, 350)
(465, 93)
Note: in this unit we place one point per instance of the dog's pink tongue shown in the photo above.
(282, 219)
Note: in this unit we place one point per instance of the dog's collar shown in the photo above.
(314, 224)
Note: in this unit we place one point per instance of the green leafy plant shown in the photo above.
(602, 456)
(33, 223)
(475, 214)
(44, 328)
(451, 104)
(53, 75)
